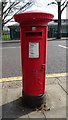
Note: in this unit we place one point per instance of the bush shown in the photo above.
(5, 37)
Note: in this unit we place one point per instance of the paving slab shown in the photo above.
(63, 86)
(14, 94)
(12, 84)
(0, 96)
(63, 83)
(4, 95)
(62, 79)
(24, 116)
(52, 81)
(56, 96)
(56, 99)
(0, 103)
(13, 105)
(67, 107)
(15, 109)
(0, 85)
(36, 114)
(56, 113)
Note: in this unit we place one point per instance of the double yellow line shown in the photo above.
(20, 78)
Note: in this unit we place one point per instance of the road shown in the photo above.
(56, 58)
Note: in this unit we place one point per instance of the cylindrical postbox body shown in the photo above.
(33, 35)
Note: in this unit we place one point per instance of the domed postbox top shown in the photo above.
(33, 18)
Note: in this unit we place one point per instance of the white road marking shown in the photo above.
(63, 46)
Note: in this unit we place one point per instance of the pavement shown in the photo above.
(13, 41)
(12, 105)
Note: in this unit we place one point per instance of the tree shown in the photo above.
(61, 7)
(9, 9)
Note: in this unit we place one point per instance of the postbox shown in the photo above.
(33, 37)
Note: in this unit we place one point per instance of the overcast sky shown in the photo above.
(42, 5)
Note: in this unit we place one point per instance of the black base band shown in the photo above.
(33, 101)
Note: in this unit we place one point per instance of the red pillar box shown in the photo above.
(33, 35)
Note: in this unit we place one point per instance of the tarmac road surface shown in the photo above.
(56, 58)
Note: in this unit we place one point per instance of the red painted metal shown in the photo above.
(33, 18)
(34, 69)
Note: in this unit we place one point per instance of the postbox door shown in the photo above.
(34, 62)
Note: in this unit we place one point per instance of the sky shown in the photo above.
(42, 5)
(53, 8)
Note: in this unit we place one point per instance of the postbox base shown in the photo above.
(33, 101)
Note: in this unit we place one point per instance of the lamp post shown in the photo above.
(59, 19)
